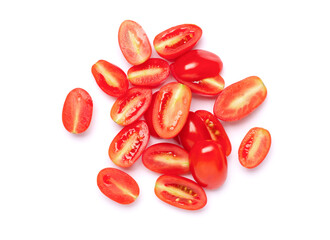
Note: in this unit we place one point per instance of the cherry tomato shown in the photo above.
(77, 111)
(110, 78)
(129, 143)
(131, 106)
(208, 164)
(177, 40)
(166, 158)
(117, 185)
(254, 147)
(180, 192)
(134, 42)
(148, 116)
(239, 99)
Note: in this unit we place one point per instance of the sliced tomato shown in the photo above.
(110, 78)
(166, 158)
(134, 42)
(148, 116)
(129, 143)
(151, 73)
(180, 192)
(117, 185)
(131, 106)
(77, 111)
(239, 99)
(171, 109)
(254, 147)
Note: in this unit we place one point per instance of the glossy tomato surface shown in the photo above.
(180, 192)
(148, 116)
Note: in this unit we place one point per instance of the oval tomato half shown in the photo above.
(180, 192)
(148, 116)
(129, 143)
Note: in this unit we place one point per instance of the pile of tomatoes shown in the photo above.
(205, 143)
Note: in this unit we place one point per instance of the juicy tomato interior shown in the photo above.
(148, 116)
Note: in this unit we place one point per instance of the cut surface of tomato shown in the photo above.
(148, 116)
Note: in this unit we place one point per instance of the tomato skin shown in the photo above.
(208, 164)
(118, 185)
(148, 116)
(180, 192)
(77, 111)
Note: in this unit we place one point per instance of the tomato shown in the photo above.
(151, 73)
(77, 111)
(196, 65)
(131, 106)
(166, 158)
(110, 78)
(208, 164)
(117, 185)
(239, 99)
(134, 42)
(171, 109)
(180, 192)
(254, 147)
(148, 116)
(129, 143)
(177, 40)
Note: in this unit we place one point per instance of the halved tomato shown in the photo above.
(131, 106)
(180, 192)
(129, 143)
(117, 185)
(254, 147)
(148, 116)
(166, 158)
(110, 78)
(134, 42)
(150, 73)
(239, 99)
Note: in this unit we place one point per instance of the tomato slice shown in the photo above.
(166, 158)
(129, 143)
(177, 40)
(77, 111)
(117, 185)
(151, 73)
(131, 106)
(148, 116)
(239, 99)
(180, 192)
(254, 147)
(171, 109)
(110, 78)
(134, 42)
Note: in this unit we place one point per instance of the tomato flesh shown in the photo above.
(148, 116)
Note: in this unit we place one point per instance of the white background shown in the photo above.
(48, 176)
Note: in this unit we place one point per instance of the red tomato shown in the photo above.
(196, 65)
(171, 109)
(134, 42)
(177, 40)
(129, 143)
(77, 111)
(166, 158)
(118, 185)
(180, 192)
(148, 116)
(254, 147)
(240, 99)
(131, 106)
(110, 78)
(208, 164)
(151, 73)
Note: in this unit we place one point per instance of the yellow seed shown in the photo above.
(177, 199)
(190, 191)
(217, 133)
(189, 201)
(207, 121)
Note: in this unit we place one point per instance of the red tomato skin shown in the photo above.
(148, 116)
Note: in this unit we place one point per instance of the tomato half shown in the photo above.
(166, 158)
(77, 111)
(171, 109)
(117, 185)
(177, 40)
(131, 106)
(110, 78)
(180, 192)
(134, 42)
(208, 164)
(239, 99)
(129, 143)
(254, 147)
(148, 116)
(150, 73)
